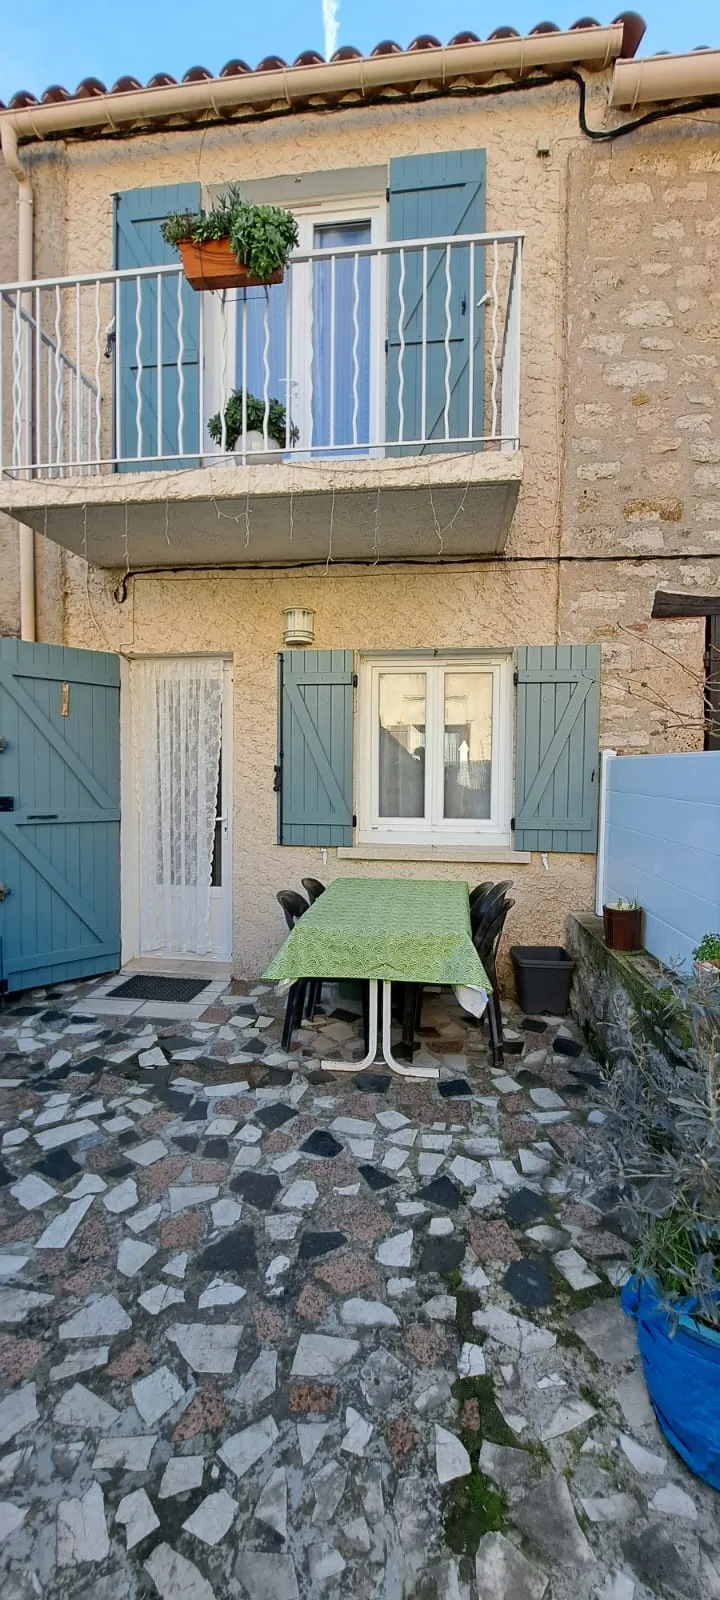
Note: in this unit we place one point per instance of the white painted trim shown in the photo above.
(225, 952)
(469, 854)
(433, 829)
(606, 756)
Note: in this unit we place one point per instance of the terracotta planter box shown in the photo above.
(623, 927)
(213, 266)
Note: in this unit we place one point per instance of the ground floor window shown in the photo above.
(435, 749)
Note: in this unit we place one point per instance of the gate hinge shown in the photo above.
(354, 680)
(277, 780)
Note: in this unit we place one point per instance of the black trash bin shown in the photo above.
(543, 974)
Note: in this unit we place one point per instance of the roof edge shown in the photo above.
(593, 47)
(665, 77)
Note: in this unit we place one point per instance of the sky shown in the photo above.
(62, 43)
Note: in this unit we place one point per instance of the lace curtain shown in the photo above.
(177, 727)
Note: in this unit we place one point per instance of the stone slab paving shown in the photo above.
(275, 1332)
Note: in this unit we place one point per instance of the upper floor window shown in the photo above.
(435, 749)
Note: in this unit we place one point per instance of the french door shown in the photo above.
(315, 342)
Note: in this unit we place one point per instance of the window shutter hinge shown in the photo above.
(277, 779)
(516, 677)
(387, 193)
(354, 820)
(386, 347)
(354, 680)
(512, 824)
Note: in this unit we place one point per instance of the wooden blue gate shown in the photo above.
(59, 814)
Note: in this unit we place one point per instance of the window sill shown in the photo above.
(434, 852)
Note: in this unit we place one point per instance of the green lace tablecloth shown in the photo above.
(415, 930)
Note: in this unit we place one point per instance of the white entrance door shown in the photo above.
(181, 716)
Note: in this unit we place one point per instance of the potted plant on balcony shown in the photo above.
(654, 1164)
(234, 245)
(278, 434)
(707, 955)
(623, 924)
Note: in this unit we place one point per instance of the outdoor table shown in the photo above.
(384, 930)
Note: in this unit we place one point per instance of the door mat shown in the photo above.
(146, 986)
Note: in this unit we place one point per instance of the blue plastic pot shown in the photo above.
(682, 1373)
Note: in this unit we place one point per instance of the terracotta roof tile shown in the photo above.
(634, 28)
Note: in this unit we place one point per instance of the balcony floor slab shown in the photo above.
(424, 508)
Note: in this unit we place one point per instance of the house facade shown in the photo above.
(496, 349)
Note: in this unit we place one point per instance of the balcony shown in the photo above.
(376, 412)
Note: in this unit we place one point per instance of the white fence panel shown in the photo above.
(663, 847)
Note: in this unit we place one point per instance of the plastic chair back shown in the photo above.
(293, 905)
(313, 888)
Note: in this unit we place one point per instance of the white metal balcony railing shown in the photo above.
(362, 350)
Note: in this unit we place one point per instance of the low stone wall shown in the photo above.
(615, 995)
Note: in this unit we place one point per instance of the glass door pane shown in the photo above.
(261, 324)
(401, 733)
(341, 341)
(468, 745)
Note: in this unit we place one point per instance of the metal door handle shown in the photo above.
(42, 816)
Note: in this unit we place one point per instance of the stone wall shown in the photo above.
(642, 463)
(618, 997)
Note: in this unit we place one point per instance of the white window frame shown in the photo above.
(433, 828)
(219, 314)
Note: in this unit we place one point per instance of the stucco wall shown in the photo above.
(379, 609)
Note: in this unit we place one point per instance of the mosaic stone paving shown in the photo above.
(271, 1332)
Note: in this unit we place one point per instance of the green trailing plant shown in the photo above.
(261, 237)
(708, 948)
(658, 1151)
(622, 905)
(255, 421)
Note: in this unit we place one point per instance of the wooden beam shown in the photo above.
(668, 603)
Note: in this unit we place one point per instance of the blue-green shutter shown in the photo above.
(60, 841)
(139, 243)
(431, 196)
(315, 716)
(557, 735)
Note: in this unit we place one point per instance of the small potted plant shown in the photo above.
(623, 925)
(253, 440)
(234, 245)
(707, 955)
(656, 1156)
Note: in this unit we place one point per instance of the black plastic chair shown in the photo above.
(313, 889)
(294, 906)
(489, 901)
(486, 939)
(479, 890)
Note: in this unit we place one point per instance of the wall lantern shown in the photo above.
(299, 626)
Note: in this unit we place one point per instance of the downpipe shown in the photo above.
(26, 213)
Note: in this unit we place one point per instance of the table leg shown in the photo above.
(398, 1066)
(367, 1060)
